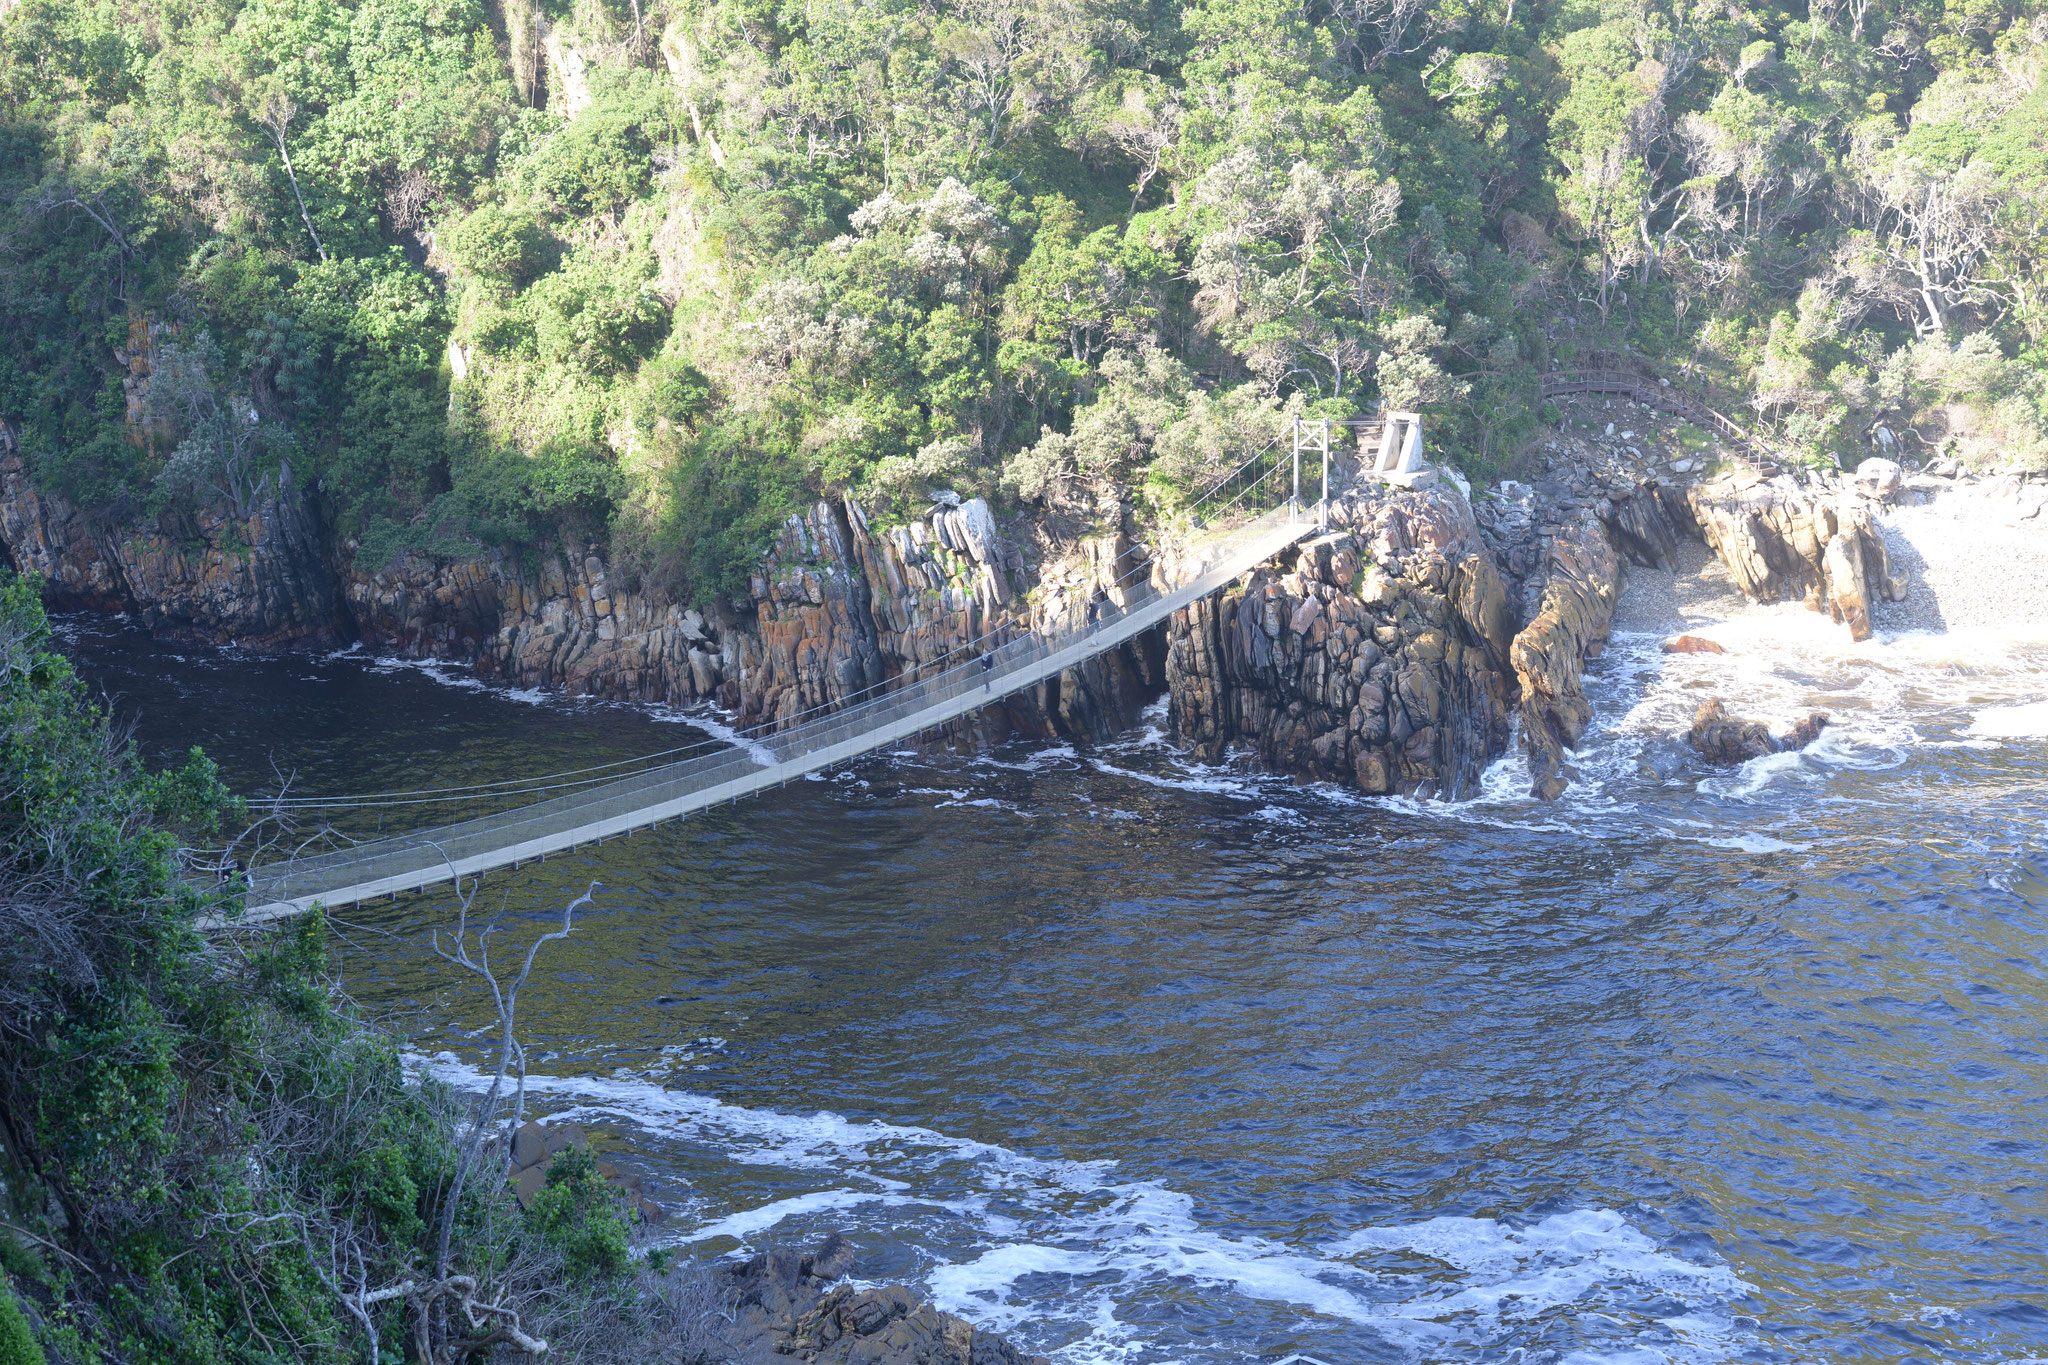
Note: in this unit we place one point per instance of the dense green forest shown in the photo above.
(647, 273)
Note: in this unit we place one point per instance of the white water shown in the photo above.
(1062, 1247)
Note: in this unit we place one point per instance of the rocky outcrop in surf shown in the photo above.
(1395, 652)
(1782, 540)
(1582, 583)
(794, 1306)
(1730, 741)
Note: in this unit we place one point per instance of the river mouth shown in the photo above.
(1143, 1060)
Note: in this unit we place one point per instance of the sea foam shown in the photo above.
(1066, 1255)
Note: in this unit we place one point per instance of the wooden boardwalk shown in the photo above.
(1651, 393)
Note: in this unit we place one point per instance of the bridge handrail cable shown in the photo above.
(1012, 664)
(510, 787)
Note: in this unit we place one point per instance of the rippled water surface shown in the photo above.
(1146, 1061)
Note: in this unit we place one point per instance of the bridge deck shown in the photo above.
(427, 857)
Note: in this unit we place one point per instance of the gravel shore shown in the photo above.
(1973, 563)
(1698, 595)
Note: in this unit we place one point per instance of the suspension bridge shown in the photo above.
(1244, 519)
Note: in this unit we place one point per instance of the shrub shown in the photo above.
(729, 488)
(579, 1214)
(502, 246)
(591, 316)
(17, 1342)
(604, 157)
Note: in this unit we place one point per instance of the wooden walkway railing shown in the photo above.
(1650, 392)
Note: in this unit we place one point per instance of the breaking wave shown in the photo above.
(1068, 1258)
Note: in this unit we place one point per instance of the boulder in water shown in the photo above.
(1730, 740)
(1691, 644)
(1806, 731)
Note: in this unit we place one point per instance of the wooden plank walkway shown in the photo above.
(1650, 393)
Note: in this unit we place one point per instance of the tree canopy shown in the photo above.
(647, 273)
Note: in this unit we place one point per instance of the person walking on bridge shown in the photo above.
(988, 663)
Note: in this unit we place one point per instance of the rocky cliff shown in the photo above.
(836, 610)
(1389, 654)
(260, 581)
(1375, 655)
(1398, 651)
(1395, 652)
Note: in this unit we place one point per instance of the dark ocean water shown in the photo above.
(1146, 1061)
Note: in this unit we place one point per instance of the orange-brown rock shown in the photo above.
(1782, 541)
(1691, 644)
(1583, 583)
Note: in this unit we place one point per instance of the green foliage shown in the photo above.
(502, 246)
(603, 159)
(586, 318)
(729, 489)
(172, 1103)
(897, 245)
(580, 1214)
(17, 1343)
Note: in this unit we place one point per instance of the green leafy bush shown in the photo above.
(602, 159)
(588, 317)
(502, 246)
(17, 1343)
(579, 1213)
(215, 1150)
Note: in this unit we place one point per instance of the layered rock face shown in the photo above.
(1784, 541)
(837, 610)
(1385, 654)
(1580, 588)
(1389, 654)
(260, 581)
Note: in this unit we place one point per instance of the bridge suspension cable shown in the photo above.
(575, 778)
(358, 871)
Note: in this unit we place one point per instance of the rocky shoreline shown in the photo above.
(786, 1305)
(1397, 651)
(777, 1304)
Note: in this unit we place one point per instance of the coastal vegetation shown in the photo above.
(205, 1154)
(646, 274)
